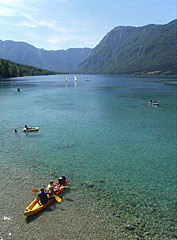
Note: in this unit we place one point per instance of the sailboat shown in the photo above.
(75, 78)
(66, 78)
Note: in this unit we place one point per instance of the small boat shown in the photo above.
(31, 129)
(75, 78)
(66, 78)
(155, 104)
(35, 207)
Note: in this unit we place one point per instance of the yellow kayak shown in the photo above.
(36, 207)
(30, 129)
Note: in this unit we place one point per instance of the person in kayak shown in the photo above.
(50, 188)
(27, 128)
(61, 181)
(43, 196)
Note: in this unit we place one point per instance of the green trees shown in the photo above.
(135, 50)
(10, 69)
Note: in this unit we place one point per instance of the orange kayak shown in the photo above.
(35, 207)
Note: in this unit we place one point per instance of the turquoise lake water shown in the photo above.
(117, 151)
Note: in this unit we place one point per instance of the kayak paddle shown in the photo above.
(58, 199)
(35, 190)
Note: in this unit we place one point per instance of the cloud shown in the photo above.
(56, 39)
(33, 35)
(72, 40)
(45, 23)
(55, 24)
(26, 24)
(9, 8)
(16, 7)
(32, 14)
(7, 12)
(9, 2)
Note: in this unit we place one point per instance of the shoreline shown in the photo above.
(84, 213)
(98, 74)
(171, 83)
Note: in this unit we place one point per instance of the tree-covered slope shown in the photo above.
(135, 50)
(59, 61)
(10, 69)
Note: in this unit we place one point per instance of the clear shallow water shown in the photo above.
(118, 153)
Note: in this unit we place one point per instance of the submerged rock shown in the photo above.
(6, 218)
(101, 181)
(130, 227)
(88, 184)
(64, 146)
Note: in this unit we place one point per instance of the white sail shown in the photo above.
(66, 78)
(75, 78)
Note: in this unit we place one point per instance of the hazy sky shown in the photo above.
(63, 24)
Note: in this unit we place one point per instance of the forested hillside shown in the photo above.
(135, 50)
(10, 69)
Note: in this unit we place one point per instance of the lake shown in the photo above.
(117, 151)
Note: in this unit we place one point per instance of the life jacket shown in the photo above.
(61, 181)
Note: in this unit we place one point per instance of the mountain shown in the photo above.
(10, 69)
(59, 61)
(149, 49)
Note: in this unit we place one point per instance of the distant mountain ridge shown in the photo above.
(58, 61)
(149, 49)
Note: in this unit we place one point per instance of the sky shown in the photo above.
(63, 24)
